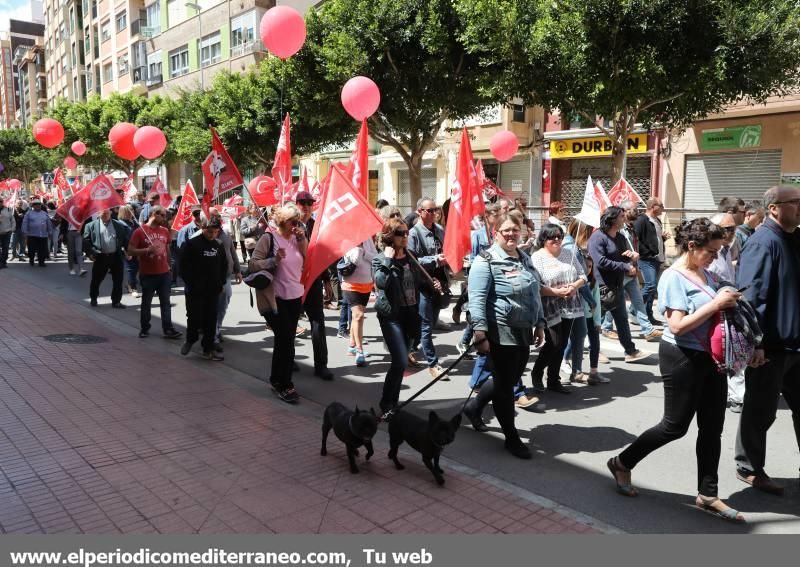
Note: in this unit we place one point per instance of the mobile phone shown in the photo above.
(740, 290)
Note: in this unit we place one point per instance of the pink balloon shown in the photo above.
(121, 139)
(78, 148)
(70, 162)
(48, 132)
(504, 145)
(283, 31)
(361, 97)
(14, 184)
(150, 142)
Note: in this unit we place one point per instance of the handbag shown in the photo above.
(443, 299)
(608, 297)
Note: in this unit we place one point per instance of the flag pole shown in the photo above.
(423, 270)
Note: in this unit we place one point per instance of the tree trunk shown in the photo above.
(415, 177)
(619, 153)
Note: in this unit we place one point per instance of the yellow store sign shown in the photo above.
(594, 147)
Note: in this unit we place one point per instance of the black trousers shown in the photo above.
(5, 241)
(284, 326)
(313, 310)
(37, 245)
(692, 385)
(509, 365)
(201, 315)
(763, 388)
(552, 353)
(104, 263)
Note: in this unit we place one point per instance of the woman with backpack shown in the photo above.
(690, 298)
(397, 279)
(356, 269)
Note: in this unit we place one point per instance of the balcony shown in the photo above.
(139, 74)
(246, 48)
(135, 27)
(154, 80)
(149, 32)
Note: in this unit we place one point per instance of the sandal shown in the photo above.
(728, 514)
(626, 489)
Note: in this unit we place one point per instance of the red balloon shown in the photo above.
(361, 97)
(150, 142)
(78, 148)
(14, 184)
(504, 145)
(48, 132)
(283, 31)
(70, 162)
(121, 139)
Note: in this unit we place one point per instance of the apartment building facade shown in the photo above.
(31, 82)
(20, 35)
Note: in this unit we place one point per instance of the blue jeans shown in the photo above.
(482, 371)
(151, 285)
(18, 247)
(398, 334)
(576, 341)
(222, 303)
(636, 308)
(132, 269)
(429, 314)
(649, 269)
(466, 337)
(345, 315)
(619, 313)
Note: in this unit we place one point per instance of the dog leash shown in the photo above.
(388, 415)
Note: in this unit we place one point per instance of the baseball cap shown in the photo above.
(304, 196)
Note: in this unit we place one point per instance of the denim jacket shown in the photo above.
(504, 297)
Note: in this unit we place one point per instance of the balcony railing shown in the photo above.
(246, 48)
(150, 31)
(136, 26)
(139, 74)
(154, 80)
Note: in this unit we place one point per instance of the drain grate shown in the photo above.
(73, 339)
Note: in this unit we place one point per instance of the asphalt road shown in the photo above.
(571, 439)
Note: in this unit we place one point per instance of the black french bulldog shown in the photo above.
(428, 437)
(353, 428)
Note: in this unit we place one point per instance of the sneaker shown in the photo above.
(343, 334)
(172, 334)
(185, 348)
(474, 418)
(144, 334)
(457, 315)
(73, 273)
(595, 379)
(610, 335)
(636, 356)
(654, 337)
(136, 294)
(352, 350)
(437, 371)
(83, 273)
(213, 355)
(288, 394)
(361, 360)
(603, 358)
(525, 401)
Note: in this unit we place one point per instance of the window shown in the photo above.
(176, 12)
(154, 67)
(108, 73)
(89, 75)
(179, 62)
(210, 50)
(122, 21)
(122, 65)
(243, 31)
(105, 30)
(85, 5)
(517, 113)
(154, 17)
(94, 8)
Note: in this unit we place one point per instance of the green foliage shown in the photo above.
(23, 157)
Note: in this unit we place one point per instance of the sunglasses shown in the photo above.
(401, 233)
(790, 202)
(430, 211)
(555, 238)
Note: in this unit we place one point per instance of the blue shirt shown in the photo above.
(37, 223)
(676, 291)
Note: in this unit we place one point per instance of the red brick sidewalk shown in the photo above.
(126, 437)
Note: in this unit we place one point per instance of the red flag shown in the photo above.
(490, 190)
(219, 172)
(158, 188)
(464, 186)
(184, 214)
(358, 168)
(622, 191)
(264, 191)
(130, 189)
(282, 167)
(11, 201)
(601, 197)
(98, 195)
(345, 220)
(232, 207)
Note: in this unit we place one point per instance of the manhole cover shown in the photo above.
(73, 339)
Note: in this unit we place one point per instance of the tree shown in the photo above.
(91, 120)
(23, 157)
(654, 62)
(414, 53)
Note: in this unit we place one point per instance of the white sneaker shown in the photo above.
(636, 356)
(73, 273)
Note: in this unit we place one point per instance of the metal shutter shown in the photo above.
(710, 177)
(515, 170)
(637, 173)
(404, 188)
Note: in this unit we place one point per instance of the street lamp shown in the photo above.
(197, 7)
